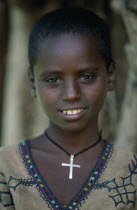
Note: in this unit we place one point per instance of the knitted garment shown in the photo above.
(111, 185)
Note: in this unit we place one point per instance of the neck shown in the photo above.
(74, 141)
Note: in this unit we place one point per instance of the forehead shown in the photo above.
(69, 49)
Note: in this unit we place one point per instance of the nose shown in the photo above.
(71, 91)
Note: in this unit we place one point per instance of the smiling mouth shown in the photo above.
(72, 111)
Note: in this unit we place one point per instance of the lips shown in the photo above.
(72, 114)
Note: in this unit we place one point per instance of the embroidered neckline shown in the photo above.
(85, 190)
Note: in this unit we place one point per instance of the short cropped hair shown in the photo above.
(70, 20)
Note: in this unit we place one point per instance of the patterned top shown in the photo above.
(111, 184)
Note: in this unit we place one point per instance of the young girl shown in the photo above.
(69, 166)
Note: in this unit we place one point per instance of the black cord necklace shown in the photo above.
(71, 165)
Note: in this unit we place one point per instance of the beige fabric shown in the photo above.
(28, 197)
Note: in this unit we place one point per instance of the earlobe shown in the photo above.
(32, 82)
(111, 77)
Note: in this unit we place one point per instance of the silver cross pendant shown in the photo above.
(71, 165)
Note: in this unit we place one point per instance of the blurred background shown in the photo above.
(20, 114)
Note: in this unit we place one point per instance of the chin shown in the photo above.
(73, 127)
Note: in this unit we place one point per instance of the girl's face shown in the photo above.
(71, 81)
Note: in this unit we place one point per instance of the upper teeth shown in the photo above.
(75, 111)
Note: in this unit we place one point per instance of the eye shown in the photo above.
(87, 77)
(53, 80)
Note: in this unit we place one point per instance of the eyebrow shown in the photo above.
(49, 72)
(58, 72)
(88, 69)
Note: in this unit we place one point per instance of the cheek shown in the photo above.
(97, 94)
(48, 97)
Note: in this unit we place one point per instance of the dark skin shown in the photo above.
(70, 73)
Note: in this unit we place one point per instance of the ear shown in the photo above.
(32, 81)
(111, 77)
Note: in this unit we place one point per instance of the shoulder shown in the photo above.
(122, 155)
(8, 155)
(122, 162)
(9, 149)
(119, 155)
